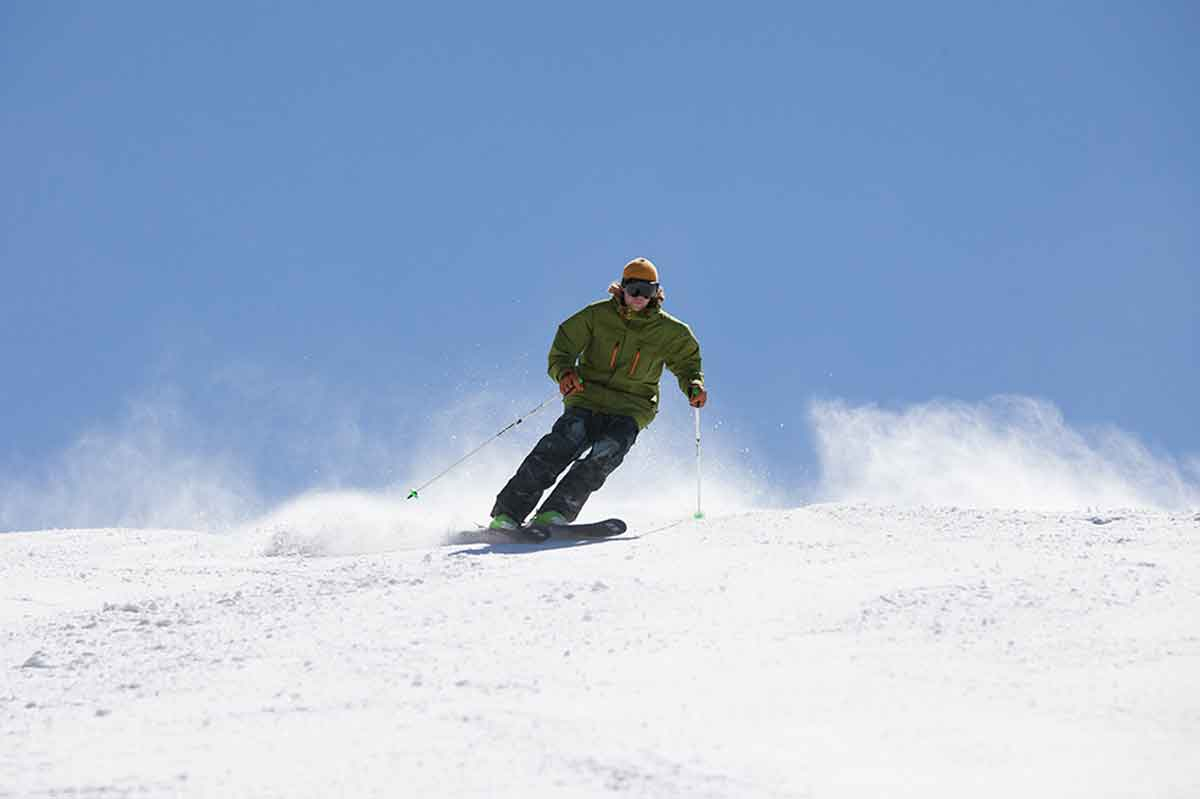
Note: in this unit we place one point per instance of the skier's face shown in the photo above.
(636, 303)
(638, 293)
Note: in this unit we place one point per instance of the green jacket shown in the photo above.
(621, 355)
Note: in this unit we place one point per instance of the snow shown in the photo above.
(839, 650)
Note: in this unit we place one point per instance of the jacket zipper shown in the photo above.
(612, 360)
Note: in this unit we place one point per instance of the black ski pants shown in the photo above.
(609, 438)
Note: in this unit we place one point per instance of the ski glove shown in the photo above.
(697, 396)
(569, 383)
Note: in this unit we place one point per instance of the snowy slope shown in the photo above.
(825, 651)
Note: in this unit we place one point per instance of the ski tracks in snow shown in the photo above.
(830, 650)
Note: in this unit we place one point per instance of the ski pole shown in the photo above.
(415, 493)
(699, 512)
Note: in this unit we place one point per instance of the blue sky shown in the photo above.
(264, 216)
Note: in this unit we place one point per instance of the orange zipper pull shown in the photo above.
(612, 362)
(637, 356)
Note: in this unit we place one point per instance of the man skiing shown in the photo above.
(607, 360)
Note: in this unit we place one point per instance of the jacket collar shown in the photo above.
(630, 315)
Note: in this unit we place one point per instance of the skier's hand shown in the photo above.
(569, 383)
(697, 396)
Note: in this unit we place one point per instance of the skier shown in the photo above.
(607, 360)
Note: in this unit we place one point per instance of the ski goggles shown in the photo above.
(640, 288)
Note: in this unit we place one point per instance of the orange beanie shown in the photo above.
(640, 269)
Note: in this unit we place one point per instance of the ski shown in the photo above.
(605, 529)
(540, 533)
